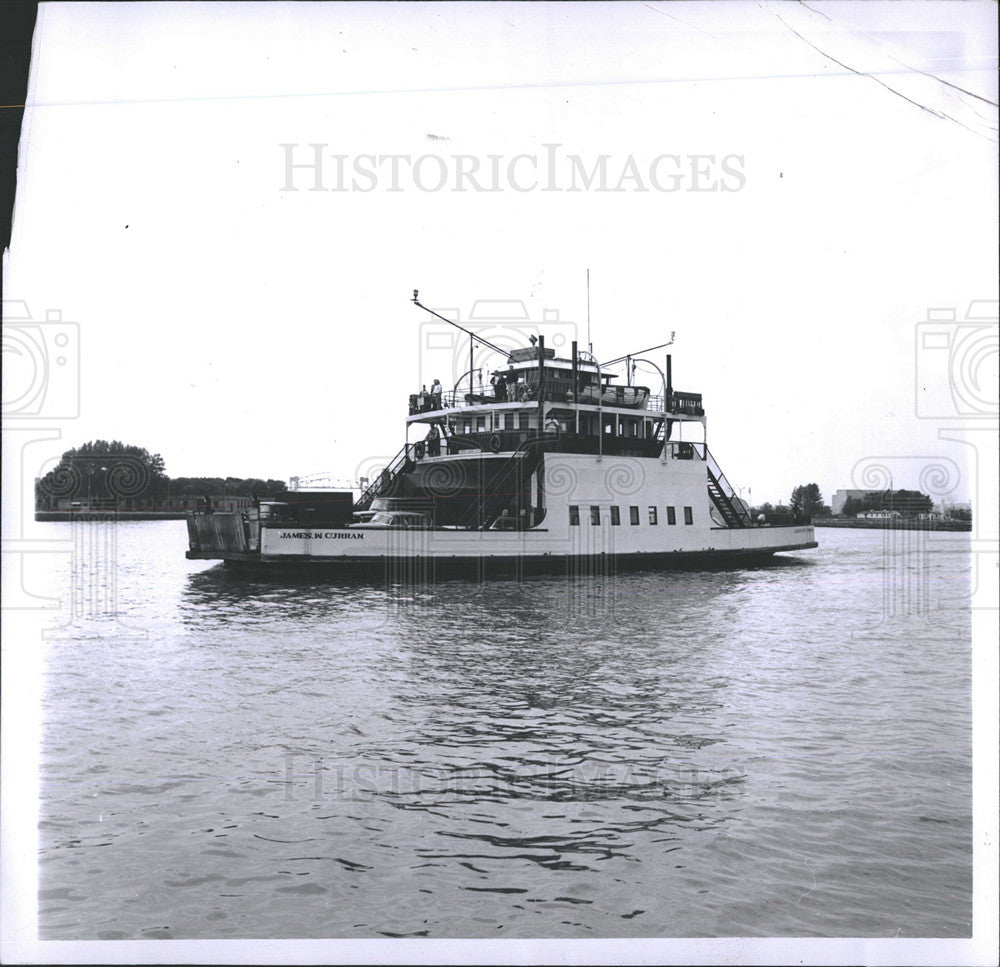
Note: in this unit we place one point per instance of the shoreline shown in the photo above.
(909, 525)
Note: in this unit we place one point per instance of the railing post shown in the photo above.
(600, 414)
(666, 404)
(576, 388)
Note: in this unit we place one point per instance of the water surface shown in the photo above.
(779, 751)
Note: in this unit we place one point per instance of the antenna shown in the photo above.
(451, 322)
(590, 345)
(612, 362)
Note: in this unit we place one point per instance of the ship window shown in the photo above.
(522, 421)
(466, 426)
(616, 517)
(595, 514)
(688, 515)
(508, 421)
(671, 515)
(633, 516)
(480, 422)
(652, 515)
(574, 515)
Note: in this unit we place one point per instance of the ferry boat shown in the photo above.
(561, 466)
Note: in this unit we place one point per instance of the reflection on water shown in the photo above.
(722, 752)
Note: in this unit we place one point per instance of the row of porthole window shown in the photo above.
(470, 424)
(632, 428)
(633, 515)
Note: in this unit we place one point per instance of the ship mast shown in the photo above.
(590, 345)
(472, 336)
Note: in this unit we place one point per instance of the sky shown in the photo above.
(833, 174)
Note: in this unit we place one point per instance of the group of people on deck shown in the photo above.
(431, 400)
(499, 384)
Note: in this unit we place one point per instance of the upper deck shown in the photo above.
(535, 378)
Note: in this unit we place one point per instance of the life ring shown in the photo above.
(495, 443)
(418, 450)
(522, 392)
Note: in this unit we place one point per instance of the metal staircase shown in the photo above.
(508, 480)
(401, 463)
(724, 496)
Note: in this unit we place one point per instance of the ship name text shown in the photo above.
(328, 535)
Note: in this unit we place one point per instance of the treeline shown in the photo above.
(231, 486)
(112, 470)
(909, 503)
(806, 501)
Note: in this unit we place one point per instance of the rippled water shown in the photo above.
(773, 751)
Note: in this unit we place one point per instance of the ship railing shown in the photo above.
(724, 485)
(728, 500)
(687, 403)
(681, 450)
(630, 397)
(509, 440)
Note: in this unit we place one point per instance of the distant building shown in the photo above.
(880, 515)
(950, 509)
(842, 496)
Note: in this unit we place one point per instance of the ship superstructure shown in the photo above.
(556, 462)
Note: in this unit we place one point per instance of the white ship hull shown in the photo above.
(537, 546)
(647, 493)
